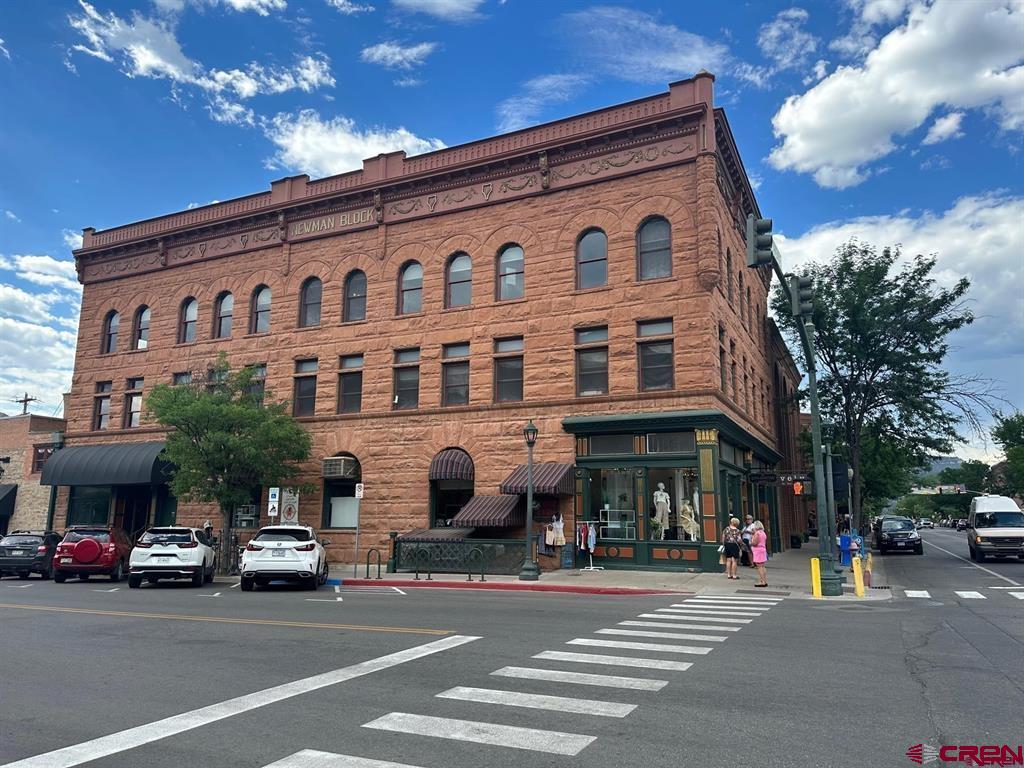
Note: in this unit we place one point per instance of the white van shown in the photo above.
(995, 528)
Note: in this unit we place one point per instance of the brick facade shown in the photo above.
(19, 436)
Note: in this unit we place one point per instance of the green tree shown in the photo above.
(882, 325)
(226, 440)
(1008, 434)
(972, 474)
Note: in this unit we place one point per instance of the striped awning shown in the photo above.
(430, 535)
(492, 512)
(550, 478)
(452, 464)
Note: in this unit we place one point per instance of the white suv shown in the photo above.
(284, 553)
(171, 552)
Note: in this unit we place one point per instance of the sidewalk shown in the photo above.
(789, 573)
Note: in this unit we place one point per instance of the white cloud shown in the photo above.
(394, 55)
(348, 8)
(308, 143)
(959, 55)
(945, 127)
(52, 355)
(3, 50)
(818, 72)
(868, 14)
(72, 239)
(784, 40)
(446, 10)
(408, 82)
(12, 216)
(261, 7)
(43, 270)
(15, 302)
(525, 107)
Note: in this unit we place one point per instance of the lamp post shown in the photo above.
(530, 571)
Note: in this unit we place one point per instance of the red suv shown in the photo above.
(89, 550)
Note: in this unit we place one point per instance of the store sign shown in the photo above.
(763, 478)
(290, 506)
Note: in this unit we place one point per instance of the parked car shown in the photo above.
(995, 528)
(925, 522)
(961, 524)
(90, 550)
(28, 552)
(171, 552)
(877, 524)
(284, 552)
(899, 534)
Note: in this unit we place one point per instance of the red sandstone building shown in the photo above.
(588, 274)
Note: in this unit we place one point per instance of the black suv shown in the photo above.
(28, 552)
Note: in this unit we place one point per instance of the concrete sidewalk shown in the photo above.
(789, 573)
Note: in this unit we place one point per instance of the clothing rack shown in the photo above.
(590, 555)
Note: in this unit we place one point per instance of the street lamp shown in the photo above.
(530, 571)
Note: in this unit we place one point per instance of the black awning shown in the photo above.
(8, 493)
(550, 478)
(452, 464)
(491, 512)
(124, 464)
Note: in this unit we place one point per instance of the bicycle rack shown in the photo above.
(421, 555)
(469, 570)
(373, 552)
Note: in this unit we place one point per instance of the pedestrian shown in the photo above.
(731, 539)
(748, 531)
(759, 551)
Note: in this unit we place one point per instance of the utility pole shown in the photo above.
(24, 403)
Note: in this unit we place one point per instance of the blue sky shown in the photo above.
(891, 120)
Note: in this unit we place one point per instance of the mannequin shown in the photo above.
(687, 520)
(662, 503)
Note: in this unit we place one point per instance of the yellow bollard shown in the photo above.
(815, 577)
(858, 578)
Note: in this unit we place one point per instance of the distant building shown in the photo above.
(26, 443)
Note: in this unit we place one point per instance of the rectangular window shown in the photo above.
(101, 405)
(612, 506)
(407, 387)
(654, 358)
(258, 382)
(40, 453)
(450, 351)
(133, 403)
(407, 355)
(455, 383)
(671, 442)
(183, 378)
(511, 344)
(304, 399)
(350, 384)
(215, 378)
(608, 444)
(508, 379)
(654, 328)
(723, 367)
(592, 335)
(591, 362)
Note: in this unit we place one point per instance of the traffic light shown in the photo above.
(801, 293)
(759, 241)
(798, 488)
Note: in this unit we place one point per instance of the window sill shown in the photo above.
(650, 280)
(364, 321)
(456, 309)
(596, 289)
(518, 300)
(400, 315)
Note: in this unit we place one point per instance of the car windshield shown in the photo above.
(897, 525)
(288, 534)
(101, 536)
(18, 541)
(166, 536)
(999, 520)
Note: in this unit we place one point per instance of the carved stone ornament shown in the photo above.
(404, 207)
(378, 207)
(545, 171)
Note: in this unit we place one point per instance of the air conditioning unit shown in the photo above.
(341, 468)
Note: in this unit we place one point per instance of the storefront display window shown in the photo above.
(674, 505)
(613, 503)
(609, 444)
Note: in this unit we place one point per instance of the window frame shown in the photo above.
(256, 312)
(111, 330)
(347, 297)
(404, 292)
(454, 359)
(184, 324)
(449, 284)
(132, 417)
(645, 341)
(350, 372)
(305, 305)
(583, 347)
(498, 274)
(40, 455)
(640, 252)
(303, 377)
(398, 367)
(140, 328)
(219, 315)
(503, 356)
(578, 261)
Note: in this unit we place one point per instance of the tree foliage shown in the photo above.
(1008, 434)
(226, 439)
(882, 326)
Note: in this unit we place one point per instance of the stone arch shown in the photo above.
(600, 218)
(678, 214)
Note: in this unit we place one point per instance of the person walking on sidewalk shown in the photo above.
(748, 531)
(731, 540)
(759, 552)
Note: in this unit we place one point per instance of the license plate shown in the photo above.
(278, 553)
(65, 559)
(901, 544)
(18, 553)
(163, 559)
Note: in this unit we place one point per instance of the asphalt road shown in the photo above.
(169, 676)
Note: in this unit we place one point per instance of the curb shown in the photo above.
(502, 585)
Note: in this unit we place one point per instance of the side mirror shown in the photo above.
(325, 542)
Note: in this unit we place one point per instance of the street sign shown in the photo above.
(273, 501)
(359, 490)
(272, 510)
(763, 478)
(290, 506)
(795, 477)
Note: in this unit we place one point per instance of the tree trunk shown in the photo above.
(855, 490)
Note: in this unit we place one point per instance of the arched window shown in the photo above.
(187, 321)
(259, 310)
(728, 275)
(591, 259)
(654, 249)
(110, 326)
(355, 296)
(459, 281)
(511, 272)
(741, 310)
(225, 308)
(312, 295)
(140, 328)
(410, 288)
(751, 319)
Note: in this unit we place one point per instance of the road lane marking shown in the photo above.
(312, 758)
(738, 598)
(131, 738)
(613, 661)
(696, 622)
(18, 586)
(538, 701)
(581, 678)
(107, 590)
(325, 600)
(680, 614)
(226, 620)
(970, 595)
(702, 628)
(210, 594)
(975, 565)
(718, 610)
(727, 604)
(533, 739)
(698, 650)
(662, 635)
(235, 586)
(1018, 595)
(916, 593)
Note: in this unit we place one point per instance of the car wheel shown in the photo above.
(323, 576)
(247, 584)
(59, 577)
(134, 582)
(115, 575)
(198, 578)
(208, 576)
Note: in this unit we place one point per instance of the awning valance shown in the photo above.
(432, 535)
(122, 464)
(8, 495)
(492, 512)
(452, 464)
(550, 478)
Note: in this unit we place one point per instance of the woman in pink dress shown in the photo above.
(759, 551)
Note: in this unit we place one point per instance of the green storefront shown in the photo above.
(660, 487)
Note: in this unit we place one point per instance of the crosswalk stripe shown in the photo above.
(696, 622)
(614, 661)
(1018, 595)
(738, 598)
(313, 758)
(717, 616)
(701, 627)
(662, 635)
(742, 603)
(581, 678)
(916, 593)
(970, 595)
(533, 739)
(662, 647)
(720, 610)
(538, 701)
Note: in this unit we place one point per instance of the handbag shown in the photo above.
(721, 548)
